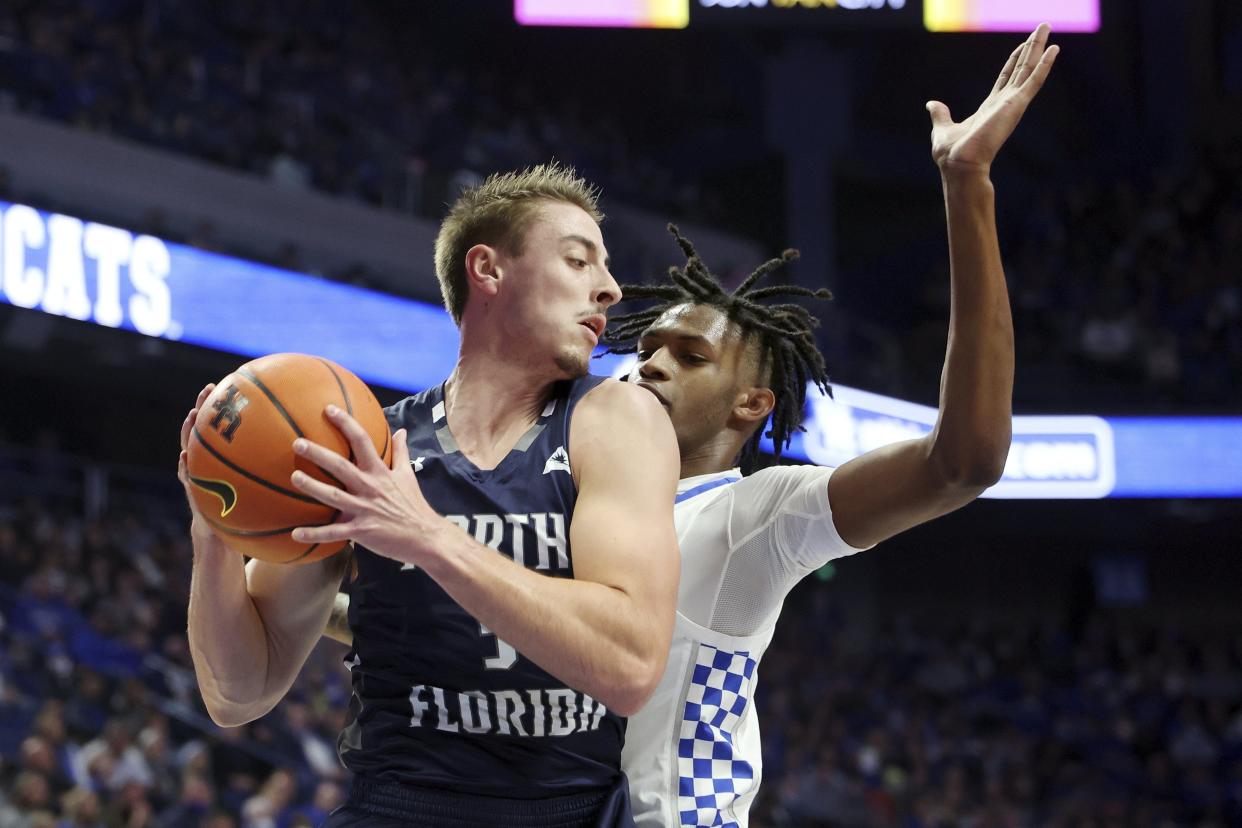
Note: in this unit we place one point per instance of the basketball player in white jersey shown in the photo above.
(724, 364)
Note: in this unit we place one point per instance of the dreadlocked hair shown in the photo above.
(785, 332)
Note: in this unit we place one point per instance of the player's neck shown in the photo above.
(490, 403)
(714, 456)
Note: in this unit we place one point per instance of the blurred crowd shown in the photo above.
(101, 724)
(1141, 284)
(1124, 291)
(340, 97)
(1114, 723)
(1005, 725)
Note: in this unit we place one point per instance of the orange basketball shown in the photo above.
(240, 456)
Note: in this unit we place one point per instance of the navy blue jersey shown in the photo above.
(439, 701)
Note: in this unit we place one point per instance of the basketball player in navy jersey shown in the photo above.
(723, 364)
(516, 568)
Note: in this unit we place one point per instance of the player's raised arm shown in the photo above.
(891, 489)
(250, 627)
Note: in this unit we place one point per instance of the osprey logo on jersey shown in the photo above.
(417, 463)
(559, 461)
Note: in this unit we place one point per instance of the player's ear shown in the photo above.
(483, 269)
(754, 405)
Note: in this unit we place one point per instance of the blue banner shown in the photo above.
(108, 276)
(1056, 457)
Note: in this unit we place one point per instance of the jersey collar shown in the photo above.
(689, 487)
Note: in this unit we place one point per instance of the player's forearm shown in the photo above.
(596, 638)
(252, 627)
(972, 435)
(228, 643)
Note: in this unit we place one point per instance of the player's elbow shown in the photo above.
(986, 465)
(987, 472)
(972, 477)
(975, 474)
(230, 713)
(630, 698)
(631, 691)
(973, 468)
(628, 708)
(227, 715)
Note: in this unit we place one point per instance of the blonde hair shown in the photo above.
(499, 212)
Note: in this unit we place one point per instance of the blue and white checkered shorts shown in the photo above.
(710, 777)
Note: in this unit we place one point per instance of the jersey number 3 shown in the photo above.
(505, 656)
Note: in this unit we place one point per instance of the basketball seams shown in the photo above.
(309, 550)
(242, 544)
(250, 475)
(266, 533)
(340, 384)
(246, 533)
(280, 409)
(254, 380)
(349, 407)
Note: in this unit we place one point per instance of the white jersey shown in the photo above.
(692, 753)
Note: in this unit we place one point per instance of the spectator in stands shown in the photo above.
(328, 797)
(38, 756)
(195, 804)
(1133, 285)
(332, 105)
(153, 742)
(111, 760)
(269, 808)
(81, 809)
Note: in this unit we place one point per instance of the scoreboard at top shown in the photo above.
(934, 15)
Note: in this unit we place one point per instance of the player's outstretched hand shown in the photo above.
(971, 146)
(381, 508)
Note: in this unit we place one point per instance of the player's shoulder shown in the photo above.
(619, 431)
(780, 476)
(771, 489)
(613, 404)
(403, 412)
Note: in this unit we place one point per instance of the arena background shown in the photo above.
(184, 185)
